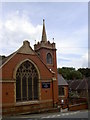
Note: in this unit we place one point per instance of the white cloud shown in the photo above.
(73, 61)
(81, 62)
(78, 38)
(1, 24)
(46, 1)
(72, 49)
(16, 28)
(85, 60)
(89, 57)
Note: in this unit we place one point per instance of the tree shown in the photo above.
(75, 75)
(70, 73)
(85, 71)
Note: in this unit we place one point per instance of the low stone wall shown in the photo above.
(75, 107)
(75, 100)
(27, 108)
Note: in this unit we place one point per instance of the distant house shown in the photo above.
(62, 90)
(73, 84)
(82, 88)
(79, 87)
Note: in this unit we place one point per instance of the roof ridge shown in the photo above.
(14, 53)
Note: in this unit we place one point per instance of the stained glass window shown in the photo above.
(26, 82)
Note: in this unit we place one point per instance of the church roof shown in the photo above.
(61, 80)
(25, 48)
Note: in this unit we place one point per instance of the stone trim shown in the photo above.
(14, 76)
(26, 103)
(54, 79)
(8, 59)
(51, 48)
(44, 101)
(45, 80)
(7, 81)
(24, 49)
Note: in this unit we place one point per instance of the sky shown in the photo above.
(66, 22)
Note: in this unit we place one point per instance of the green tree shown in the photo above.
(85, 71)
(75, 75)
(70, 73)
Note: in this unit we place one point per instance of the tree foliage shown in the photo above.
(70, 73)
(85, 71)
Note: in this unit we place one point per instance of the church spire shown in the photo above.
(44, 37)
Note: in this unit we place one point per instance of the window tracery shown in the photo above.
(26, 82)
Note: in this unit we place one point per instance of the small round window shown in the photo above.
(49, 58)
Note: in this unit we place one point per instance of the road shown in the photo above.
(46, 116)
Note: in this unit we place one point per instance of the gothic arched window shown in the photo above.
(49, 58)
(26, 82)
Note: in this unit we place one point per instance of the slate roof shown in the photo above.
(73, 84)
(79, 84)
(84, 84)
(61, 80)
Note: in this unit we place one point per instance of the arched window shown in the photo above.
(49, 58)
(26, 82)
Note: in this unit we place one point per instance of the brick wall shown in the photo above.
(8, 86)
(75, 107)
(23, 108)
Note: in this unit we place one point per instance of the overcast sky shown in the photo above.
(67, 22)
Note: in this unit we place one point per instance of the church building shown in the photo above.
(29, 78)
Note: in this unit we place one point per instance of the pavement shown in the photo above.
(64, 114)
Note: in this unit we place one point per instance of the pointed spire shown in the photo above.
(44, 37)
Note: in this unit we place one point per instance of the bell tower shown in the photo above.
(47, 52)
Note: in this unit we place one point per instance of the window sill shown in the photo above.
(50, 64)
(61, 95)
(27, 102)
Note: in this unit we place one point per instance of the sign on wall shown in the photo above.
(45, 84)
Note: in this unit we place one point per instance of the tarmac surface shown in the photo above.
(65, 115)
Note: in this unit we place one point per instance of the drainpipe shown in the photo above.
(52, 93)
